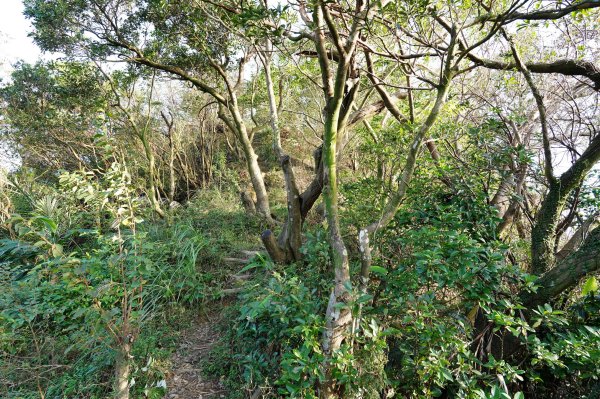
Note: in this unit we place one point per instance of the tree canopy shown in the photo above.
(399, 198)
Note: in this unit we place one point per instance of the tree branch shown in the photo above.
(563, 67)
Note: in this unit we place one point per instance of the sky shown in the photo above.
(14, 43)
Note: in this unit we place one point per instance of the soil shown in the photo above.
(187, 379)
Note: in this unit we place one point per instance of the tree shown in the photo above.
(52, 111)
(117, 28)
(423, 63)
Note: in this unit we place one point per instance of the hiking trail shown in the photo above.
(187, 379)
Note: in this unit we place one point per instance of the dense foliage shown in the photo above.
(366, 199)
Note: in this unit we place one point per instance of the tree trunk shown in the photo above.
(578, 237)
(562, 278)
(544, 230)
(337, 316)
(248, 202)
(568, 272)
(543, 234)
(256, 177)
(339, 94)
(238, 127)
(286, 248)
(501, 200)
(122, 373)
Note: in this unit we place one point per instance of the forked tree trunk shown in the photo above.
(282, 249)
(286, 247)
(339, 100)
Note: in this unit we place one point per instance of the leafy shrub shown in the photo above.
(276, 341)
(80, 294)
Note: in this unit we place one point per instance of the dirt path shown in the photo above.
(187, 380)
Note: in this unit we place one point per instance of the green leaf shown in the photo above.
(447, 374)
(57, 250)
(50, 224)
(590, 286)
(250, 266)
(381, 271)
(364, 298)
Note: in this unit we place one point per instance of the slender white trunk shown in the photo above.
(122, 373)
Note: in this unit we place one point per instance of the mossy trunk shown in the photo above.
(337, 316)
(544, 231)
(543, 234)
(562, 278)
(567, 274)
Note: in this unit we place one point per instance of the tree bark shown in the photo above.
(256, 177)
(562, 278)
(567, 274)
(578, 237)
(238, 127)
(122, 373)
(563, 67)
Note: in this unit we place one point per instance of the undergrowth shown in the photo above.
(79, 280)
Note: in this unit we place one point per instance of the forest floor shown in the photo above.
(187, 379)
